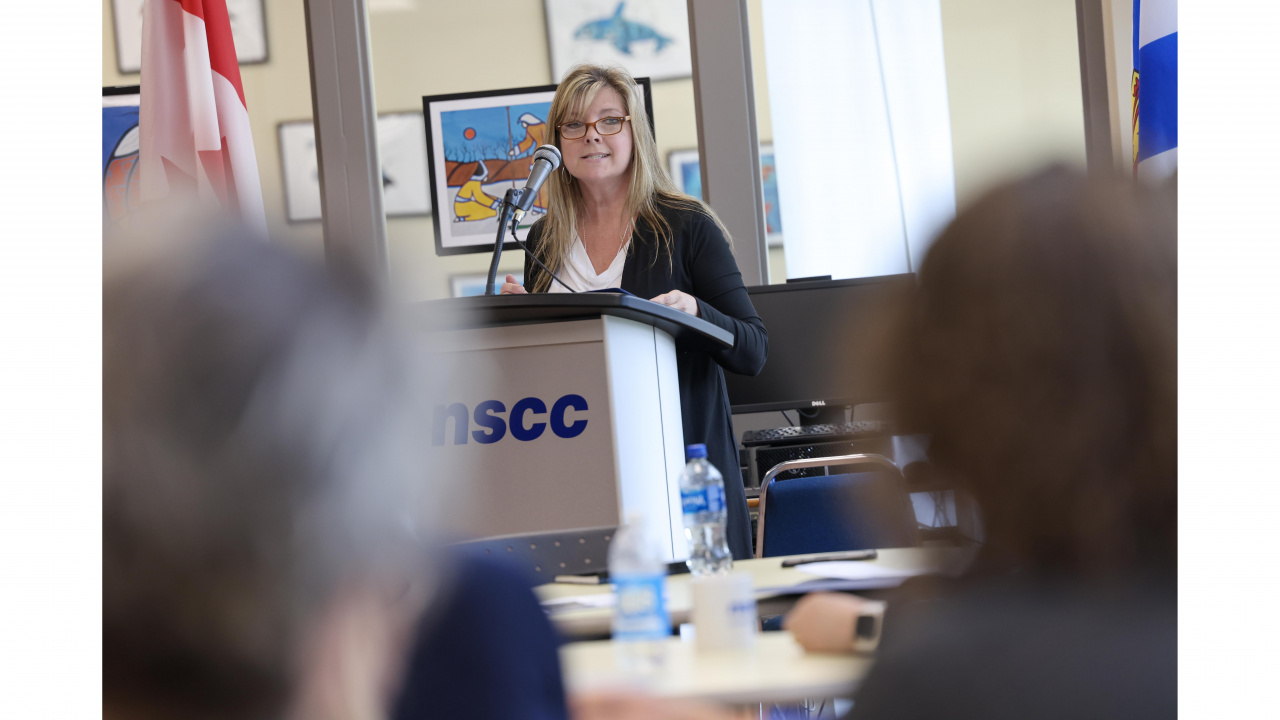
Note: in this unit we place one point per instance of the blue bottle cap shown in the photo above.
(697, 450)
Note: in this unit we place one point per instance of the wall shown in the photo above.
(1012, 72)
(1121, 15)
(1013, 77)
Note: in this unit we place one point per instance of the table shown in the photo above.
(767, 573)
(777, 670)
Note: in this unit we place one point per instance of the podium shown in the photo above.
(561, 414)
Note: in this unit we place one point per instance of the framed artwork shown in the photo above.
(402, 150)
(647, 37)
(479, 145)
(120, 138)
(248, 29)
(769, 182)
(472, 284)
(300, 170)
(686, 171)
(687, 174)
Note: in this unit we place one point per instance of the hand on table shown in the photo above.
(681, 301)
(617, 705)
(511, 287)
(824, 622)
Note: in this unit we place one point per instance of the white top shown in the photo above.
(579, 274)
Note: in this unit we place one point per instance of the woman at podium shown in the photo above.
(616, 220)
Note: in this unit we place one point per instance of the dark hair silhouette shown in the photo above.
(1041, 355)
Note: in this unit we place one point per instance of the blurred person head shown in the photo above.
(1041, 356)
(586, 94)
(259, 428)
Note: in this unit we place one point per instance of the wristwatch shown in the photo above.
(867, 626)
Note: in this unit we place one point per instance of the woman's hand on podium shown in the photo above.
(682, 301)
(511, 287)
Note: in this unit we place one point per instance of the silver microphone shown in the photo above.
(545, 160)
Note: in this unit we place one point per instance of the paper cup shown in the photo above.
(724, 612)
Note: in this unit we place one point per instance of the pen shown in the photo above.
(598, 578)
(829, 557)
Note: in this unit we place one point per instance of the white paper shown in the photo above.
(579, 602)
(855, 570)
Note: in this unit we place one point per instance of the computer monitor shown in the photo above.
(826, 343)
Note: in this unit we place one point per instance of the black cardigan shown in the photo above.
(702, 266)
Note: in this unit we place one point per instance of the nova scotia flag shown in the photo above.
(1155, 88)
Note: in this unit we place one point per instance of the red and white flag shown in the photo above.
(194, 124)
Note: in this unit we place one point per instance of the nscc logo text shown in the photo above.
(523, 421)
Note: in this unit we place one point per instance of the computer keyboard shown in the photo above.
(816, 433)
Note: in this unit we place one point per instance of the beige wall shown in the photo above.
(1012, 72)
(1013, 81)
(1120, 59)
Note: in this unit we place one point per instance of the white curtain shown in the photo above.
(861, 133)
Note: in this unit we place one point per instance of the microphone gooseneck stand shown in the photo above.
(510, 203)
(508, 209)
(518, 201)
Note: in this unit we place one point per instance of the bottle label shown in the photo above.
(640, 613)
(703, 499)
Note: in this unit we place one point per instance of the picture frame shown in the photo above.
(480, 144)
(686, 172)
(647, 37)
(402, 150)
(473, 284)
(299, 170)
(120, 141)
(248, 29)
(769, 184)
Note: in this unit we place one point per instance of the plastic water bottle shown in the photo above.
(640, 622)
(705, 516)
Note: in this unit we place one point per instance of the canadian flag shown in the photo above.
(194, 124)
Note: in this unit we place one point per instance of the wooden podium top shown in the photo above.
(689, 332)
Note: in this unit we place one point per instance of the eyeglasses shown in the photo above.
(603, 126)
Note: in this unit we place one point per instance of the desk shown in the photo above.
(765, 573)
(777, 670)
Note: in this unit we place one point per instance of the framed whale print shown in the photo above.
(647, 37)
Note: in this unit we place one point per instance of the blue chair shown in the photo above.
(853, 511)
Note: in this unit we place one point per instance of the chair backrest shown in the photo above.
(853, 511)
(484, 651)
(546, 555)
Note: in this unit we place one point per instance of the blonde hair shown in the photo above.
(649, 190)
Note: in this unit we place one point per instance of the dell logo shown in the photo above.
(818, 403)
(524, 423)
